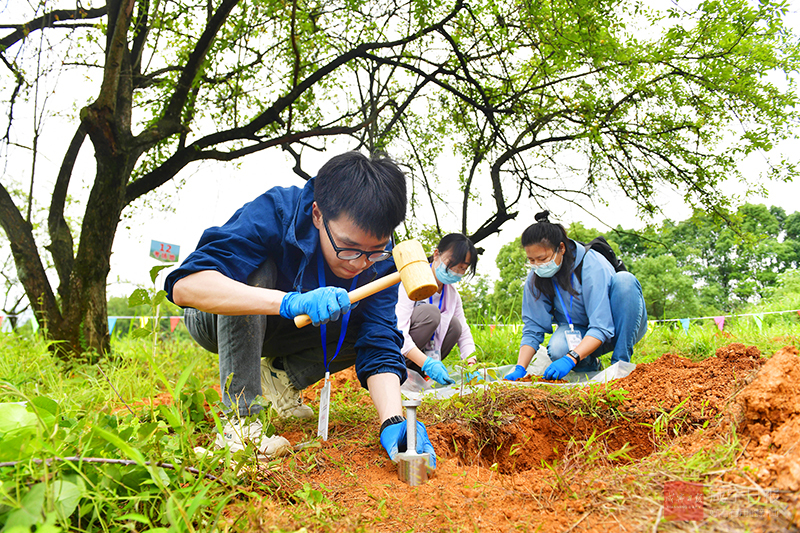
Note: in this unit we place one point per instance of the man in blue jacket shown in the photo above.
(294, 251)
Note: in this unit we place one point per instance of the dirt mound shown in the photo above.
(770, 419)
(702, 388)
(527, 458)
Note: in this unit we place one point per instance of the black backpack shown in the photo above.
(600, 244)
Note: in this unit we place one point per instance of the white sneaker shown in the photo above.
(279, 391)
(236, 434)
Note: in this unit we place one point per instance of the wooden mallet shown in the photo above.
(413, 270)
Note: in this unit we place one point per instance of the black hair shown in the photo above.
(371, 191)
(545, 233)
(459, 246)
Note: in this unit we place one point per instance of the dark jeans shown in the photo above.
(630, 324)
(241, 342)
(425, 319)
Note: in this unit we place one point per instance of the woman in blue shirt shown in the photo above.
(601, 312)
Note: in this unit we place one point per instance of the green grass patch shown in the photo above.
(139, 470)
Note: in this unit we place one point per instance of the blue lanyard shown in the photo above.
(441, 301)
(323, 329)
(566, 312)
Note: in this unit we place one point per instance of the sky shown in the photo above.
(208, 195)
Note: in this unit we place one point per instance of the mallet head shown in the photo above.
(415, 271)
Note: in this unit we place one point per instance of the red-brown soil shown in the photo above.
(770, 423)
(528, 459)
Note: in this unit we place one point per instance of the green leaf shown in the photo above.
(129, 451)
(32, 510)
(198, 500)
(140, 333)
(169, 414)
(155, 270)
(138, 297)
(212, 396)
(51, 406)
(20, 445)
(15, 417)
(182, 380)
(66, 496)
(135, 517)
(146, 430)
(159, 298)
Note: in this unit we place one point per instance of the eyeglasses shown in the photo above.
(350, 254)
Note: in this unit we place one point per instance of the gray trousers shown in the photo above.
(241, 342)
(425, 319)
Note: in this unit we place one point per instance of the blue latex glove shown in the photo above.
(322, 305)
(560, 368)
(436, 370)
(518, 372)
(394, 440)
(473, 376)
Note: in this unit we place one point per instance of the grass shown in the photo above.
(500, 345)
(76, 410)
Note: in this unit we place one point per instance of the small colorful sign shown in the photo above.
(165, 252)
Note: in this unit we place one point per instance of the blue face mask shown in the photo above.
(547, 270)
(447, 276)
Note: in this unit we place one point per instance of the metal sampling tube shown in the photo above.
(411, 421)
(412, 467)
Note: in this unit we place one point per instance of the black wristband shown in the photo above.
(392, 420)
(574, 355)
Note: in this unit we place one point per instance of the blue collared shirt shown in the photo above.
(278, 225)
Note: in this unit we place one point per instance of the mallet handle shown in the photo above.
(358, 294)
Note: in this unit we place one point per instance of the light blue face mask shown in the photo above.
(547, 270)
(447, 276)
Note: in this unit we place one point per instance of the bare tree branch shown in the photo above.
(50, 20)
(61, 243)
(23, 247)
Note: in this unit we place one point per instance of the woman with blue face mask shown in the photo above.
(598, 312)
(431, 328)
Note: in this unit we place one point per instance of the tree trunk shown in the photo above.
(85, 314)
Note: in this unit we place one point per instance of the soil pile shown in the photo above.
(702, 388)
(770, 419)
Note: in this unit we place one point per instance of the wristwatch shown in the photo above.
(575, 356)
(391, 420)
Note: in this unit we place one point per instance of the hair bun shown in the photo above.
(542, 217)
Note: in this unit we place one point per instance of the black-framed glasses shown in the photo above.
(350, 254)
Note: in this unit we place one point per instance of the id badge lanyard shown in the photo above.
(573, 337)
(441, 303)
(325, 394)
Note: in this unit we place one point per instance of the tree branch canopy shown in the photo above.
(525, 100)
